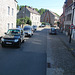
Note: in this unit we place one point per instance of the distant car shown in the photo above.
(42, 25)
(28, 30)
(53, 31)
(34, 27)
(56, 27)
(13, 37)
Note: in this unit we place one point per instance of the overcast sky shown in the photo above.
(53, 5)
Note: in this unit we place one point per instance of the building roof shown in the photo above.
(15, 1)
(53, 13)
(32, 10)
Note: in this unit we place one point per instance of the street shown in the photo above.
(30, 59)
(35, 53)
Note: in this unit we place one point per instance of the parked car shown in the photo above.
(34, 27)
(42, 25)
(28, 30)
(53, 31)
(13, 37)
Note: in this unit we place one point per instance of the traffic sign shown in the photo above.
(72, 26)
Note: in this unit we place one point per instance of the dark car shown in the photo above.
(53, 31)
(28, 30)
(13, 37)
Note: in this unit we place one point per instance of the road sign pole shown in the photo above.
(70, 37)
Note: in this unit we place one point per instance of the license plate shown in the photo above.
(8, 43)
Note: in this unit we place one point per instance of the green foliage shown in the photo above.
(58, 23)
(56, 14)
(43, 23)
(21, 7)
(18, 7)
(25, 20)
(41, 11)
(36, 9)
(28, 21)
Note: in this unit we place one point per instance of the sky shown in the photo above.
(52, 5)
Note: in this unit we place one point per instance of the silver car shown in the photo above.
(28, 31)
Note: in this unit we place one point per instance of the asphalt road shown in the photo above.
(30, 59)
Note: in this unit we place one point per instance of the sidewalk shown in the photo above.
(65, 40)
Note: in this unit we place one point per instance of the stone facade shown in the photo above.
(68, 16)
(8, 10)
(49, 17)
(31, 13)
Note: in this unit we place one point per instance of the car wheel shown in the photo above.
(23, 41)
(2, 45)
(19, 44)
(30, 35)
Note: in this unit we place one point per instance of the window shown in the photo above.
(8, 10)
(32, 17)
(69, 17)
(12, 25)
(12, 11)
(8, 25)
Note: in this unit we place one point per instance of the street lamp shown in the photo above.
(72, 19)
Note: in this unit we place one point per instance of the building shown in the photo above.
(31, 13)
(68, 15)
(49, 17)
(61, 20)
(8, 12)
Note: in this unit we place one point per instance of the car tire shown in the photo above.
(2, 45)
(23, 41)
(19, 44)
(30, 35)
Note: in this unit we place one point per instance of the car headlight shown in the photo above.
(2, 39)
(16, 40)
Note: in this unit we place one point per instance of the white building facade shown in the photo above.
(35, 19)
(8, 14)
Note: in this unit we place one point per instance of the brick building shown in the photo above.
(68, 15)
(49, 17)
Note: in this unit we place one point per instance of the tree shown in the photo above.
(58, 23)
(18, 7)
(21, 7)
(41, 11)
(36, 9)
(18, 22)
(22, 21)
(43, 23)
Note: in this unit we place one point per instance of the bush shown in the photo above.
(25, 20)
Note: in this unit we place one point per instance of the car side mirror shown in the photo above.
(5, 33)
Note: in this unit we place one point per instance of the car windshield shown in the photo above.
(26, 28)
(13, 32)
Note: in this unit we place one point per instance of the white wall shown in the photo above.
(35, 19)
(4, 17)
